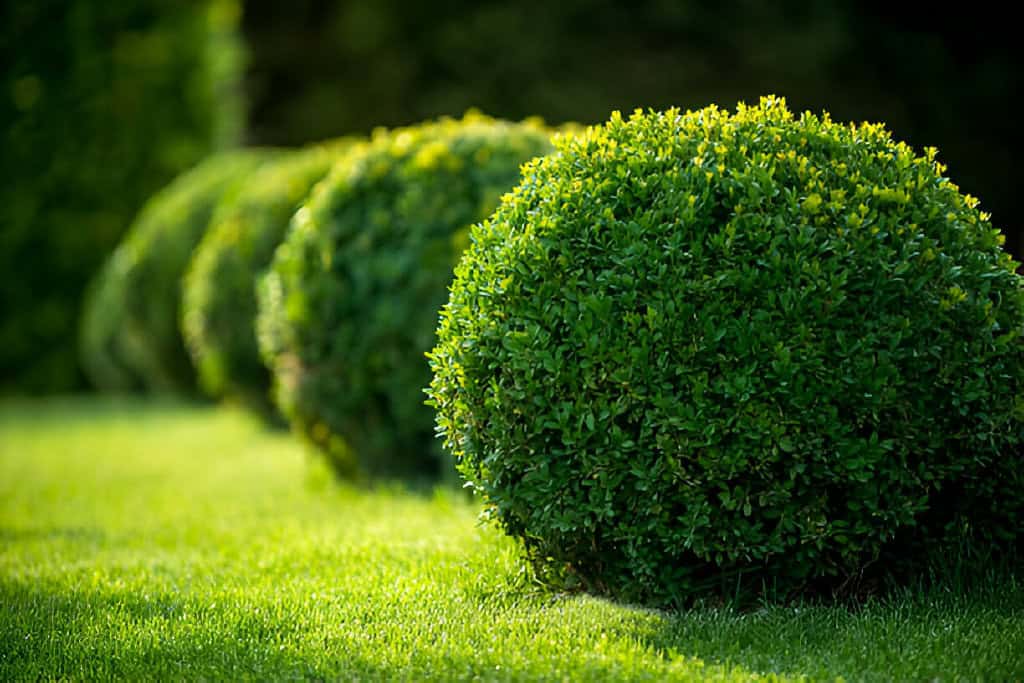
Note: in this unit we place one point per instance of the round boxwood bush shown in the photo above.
(219, 299)
(130, 323)
(703, 349)
(350, 304)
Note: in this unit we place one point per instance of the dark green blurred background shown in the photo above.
(104, 101)
(101, 103)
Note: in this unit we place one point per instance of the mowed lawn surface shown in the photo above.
(155, 540)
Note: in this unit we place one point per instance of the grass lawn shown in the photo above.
(153, 540)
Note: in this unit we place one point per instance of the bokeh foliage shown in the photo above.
(130, 326)
(219, 295)
(938, 78)
(101, 103)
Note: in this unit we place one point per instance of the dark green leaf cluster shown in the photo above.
(350, 304)
(703, 348)
(130, 335)
(103, 104)
(219, 297)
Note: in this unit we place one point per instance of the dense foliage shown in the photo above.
(703, 348)
(102, 103)
(130, 334)
(219, 299)
(350, 304)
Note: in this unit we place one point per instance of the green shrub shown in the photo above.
(350, 304)
(101, 357)
(102, 104)
(702, 349)
(130, 324)
(219, 304)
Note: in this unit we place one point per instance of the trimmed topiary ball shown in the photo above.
(219, 305)
(350, 305)
(130, 329)
(695, 350)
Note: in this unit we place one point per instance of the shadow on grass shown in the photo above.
(48, 632)
(973, 632)
(85, 634)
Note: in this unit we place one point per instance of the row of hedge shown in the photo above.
(688, 351)
(130, 328)
(353, 295)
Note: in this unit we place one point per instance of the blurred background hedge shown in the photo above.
(103, 102)
(324, 67)
(218, 320)
(98, 110)
(130, 320)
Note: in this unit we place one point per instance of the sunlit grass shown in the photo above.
(167, 541)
